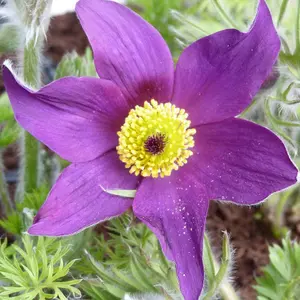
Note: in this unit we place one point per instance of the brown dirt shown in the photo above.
(65, 35)
(10, 157)
(250, 237)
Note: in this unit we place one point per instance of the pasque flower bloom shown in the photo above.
(173, 136)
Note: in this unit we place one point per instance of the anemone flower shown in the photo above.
(171, 135)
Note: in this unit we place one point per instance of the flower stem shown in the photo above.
(32, 53)
(31, 146)
(5, 198)
(227, 292)
(216, 273)
(279, 229)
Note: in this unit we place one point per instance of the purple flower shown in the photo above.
(180, 150)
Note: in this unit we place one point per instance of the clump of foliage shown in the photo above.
(75, 65)
(17, 221)
(281, 277)
(9, 129)
(36, 270)
(126, 259)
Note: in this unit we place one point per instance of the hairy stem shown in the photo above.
(4, 195)
(227, 292)
(278, 227)
(216, 273)
(31, 146)
(32, 53)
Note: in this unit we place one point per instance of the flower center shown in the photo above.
(155, 144)
(155, 139)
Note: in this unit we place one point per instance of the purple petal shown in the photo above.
(128, 51)
(240, 161)
(175, 209)
(77, 200)
(76, 117)
(217, 76)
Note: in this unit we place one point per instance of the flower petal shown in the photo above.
(217, 76)
(240, 161)
(175, 209)
(78, 118)
(128, 51)
(78, 199)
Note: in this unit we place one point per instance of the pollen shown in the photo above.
(155, 139)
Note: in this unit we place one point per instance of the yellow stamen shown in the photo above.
(155, 139)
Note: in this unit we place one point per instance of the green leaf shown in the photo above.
(12, 224)
(121, 193)
(9, 133)
(128, 257)
(266, 292)
(143, 296)
(281, 277)
(222, 272)
(217, 278)
(5, 108)
(141, 275)
(34, 199)
(30, 269)
(208, 261)
(75, 65)
(19, 221)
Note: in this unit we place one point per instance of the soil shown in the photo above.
(250, 237)
(65, 35)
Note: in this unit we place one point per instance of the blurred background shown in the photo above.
(60, 7)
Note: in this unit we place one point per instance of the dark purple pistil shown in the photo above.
(155, 144)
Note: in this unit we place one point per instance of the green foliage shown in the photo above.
(21, 218)
(9, 129)
(9, 133)
(36, 270)
(209, 16)
(35, 199)
(281, 278)
(143, 296)
(13, 223)
(75, 65)
(5, 108)
(158, 13)
(9, 38)
(126, 258)
(121, 193)
(215, 274)
(277, 205)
